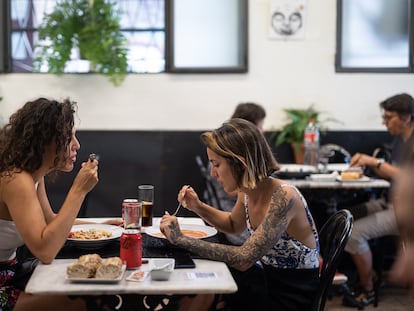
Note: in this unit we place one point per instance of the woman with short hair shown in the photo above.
(283, 237)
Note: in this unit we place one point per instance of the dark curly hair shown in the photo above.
(31, 129)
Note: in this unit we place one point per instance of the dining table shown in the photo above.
(207, 276)
(368, 183)
(326, 191)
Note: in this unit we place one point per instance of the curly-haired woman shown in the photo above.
(38, 140)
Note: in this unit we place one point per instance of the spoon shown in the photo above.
(179, 204)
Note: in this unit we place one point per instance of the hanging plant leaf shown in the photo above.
(93, 27)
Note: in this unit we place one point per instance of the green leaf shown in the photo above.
(297, 120)
(95, 30)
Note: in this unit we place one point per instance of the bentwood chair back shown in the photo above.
(333, 237)
(335, 153)
(210, 194)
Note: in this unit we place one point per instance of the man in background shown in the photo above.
(376, 218)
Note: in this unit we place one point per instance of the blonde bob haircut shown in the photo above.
(245, 149)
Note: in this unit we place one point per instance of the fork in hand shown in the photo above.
(179, 204)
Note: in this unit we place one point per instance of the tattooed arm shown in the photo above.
(244, 256)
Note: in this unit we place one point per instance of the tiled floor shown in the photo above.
(391, 299)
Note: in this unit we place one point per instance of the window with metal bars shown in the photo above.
(156, 41)
(142, 23)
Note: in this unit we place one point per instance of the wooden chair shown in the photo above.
(333, 237)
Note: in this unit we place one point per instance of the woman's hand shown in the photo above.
(170, 228)
(87, 177)
(189, 198)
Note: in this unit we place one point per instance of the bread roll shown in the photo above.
(84, 267)
(79, 271)
(349, 175)
(110, 268)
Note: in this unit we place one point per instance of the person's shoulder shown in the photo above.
(289, 190)
(278, 184)
(17, 178)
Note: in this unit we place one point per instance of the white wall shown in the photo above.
(281, 74)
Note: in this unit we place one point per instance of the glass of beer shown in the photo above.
(146, 198)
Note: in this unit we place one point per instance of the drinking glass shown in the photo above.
(146, 198)
(131, 214)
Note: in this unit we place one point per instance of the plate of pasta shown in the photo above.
(193, 231)
(91, 236)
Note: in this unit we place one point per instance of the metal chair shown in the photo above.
(210, 194)
(333, 237)
(332, 153)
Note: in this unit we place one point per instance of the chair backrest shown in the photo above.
(333, 237)
(335, 153)
(210, 194)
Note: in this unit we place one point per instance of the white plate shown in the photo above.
(209, 231)
(95, 243)
(362, 179)
(95, 280)
(337, 167)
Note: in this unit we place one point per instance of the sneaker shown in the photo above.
(359, 299)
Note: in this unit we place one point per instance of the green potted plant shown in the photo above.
(92, 26)
(293, 131)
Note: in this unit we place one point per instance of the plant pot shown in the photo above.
(298, 151)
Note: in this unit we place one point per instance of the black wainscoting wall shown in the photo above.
(165, 159)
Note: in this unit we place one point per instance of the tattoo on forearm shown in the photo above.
(265, 236)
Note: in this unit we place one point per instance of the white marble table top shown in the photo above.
(51, 279)
(210, 277)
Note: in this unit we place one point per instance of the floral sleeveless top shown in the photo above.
(289, 253)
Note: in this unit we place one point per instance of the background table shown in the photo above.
(335, 184)
(326, 197)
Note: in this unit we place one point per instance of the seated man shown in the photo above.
(398, 112)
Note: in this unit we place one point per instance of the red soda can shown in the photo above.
(131, 248)
(131, 214)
